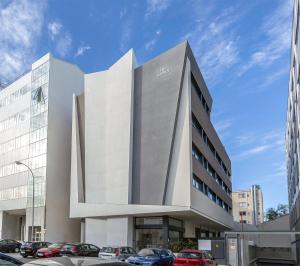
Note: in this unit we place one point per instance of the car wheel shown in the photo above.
(24, 256)
(16, 250)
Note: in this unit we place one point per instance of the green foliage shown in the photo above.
(185, 244)
(272, 213)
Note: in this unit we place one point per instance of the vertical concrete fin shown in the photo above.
(178, 182)
(76, 180)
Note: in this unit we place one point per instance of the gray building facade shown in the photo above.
(147, 166)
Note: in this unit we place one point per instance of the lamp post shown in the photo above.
(32, 226)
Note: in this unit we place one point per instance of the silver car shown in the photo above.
(75, 261)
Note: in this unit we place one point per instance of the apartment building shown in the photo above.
(35, 129)
(292, 131)
(248, 206)
(147, 166)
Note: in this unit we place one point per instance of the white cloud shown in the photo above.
(277, 29)
(126, 32)
(21, 24)
(60, 37)
(156, 7)
(273, 140)
(54, 29)
(215, 44)
(221, 126)
(81, 50)
(150, 45)
(123, 12)
(253, 151)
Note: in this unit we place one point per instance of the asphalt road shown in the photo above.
(19, 257)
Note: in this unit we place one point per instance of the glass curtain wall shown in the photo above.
(37, 158)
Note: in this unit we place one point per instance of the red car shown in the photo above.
(189, 257)
(52, 251)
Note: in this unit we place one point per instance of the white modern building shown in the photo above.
(35, 129)
(147, 166)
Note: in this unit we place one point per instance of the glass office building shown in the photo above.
(25, 127)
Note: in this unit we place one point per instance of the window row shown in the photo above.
(211, 171)
(14, 96)
(23, 140)
(15, 120)
(39, 107)
(13, 168)
(40, 71)
(13, 193)
(39, 121)
(201, 186)
(39, 190)
(206, 140)
(200, 95)
(243, 204)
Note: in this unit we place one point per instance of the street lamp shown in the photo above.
(32, 226)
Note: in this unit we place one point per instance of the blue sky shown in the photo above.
(242, 47)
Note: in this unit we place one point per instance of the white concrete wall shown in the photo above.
(65, 79)
(108, 133)
(110, 231)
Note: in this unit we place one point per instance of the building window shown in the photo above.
(15, 96)
(243, 213)
(243, 204)
(242, 195)
(199, 185)
(200, 95)
(210, 170)
(297, 24)
(207, 141)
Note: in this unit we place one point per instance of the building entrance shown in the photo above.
(157, 232)
(13, 225)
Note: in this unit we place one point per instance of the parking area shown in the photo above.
(19, 257)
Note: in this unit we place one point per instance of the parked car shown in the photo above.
(120, 253)
(152, 256)
(8, 260)
(31, 248)
(190, 257)
(9, 245)
(85, 250)
(68, 261)
(52, 251)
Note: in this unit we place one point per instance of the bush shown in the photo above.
(185, 244)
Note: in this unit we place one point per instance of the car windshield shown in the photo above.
(55, 245)
(27, 244)
(190, 255)
(148, 252)
(68, 246)
(108, 250)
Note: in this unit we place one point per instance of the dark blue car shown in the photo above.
(153, 257)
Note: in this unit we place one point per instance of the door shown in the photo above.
(11, 245)
(3, 245)
(218, 248)
(165, 257)
(93, 251)
(85, 250)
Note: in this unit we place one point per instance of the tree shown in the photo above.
(272, 213)
(282, 209)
